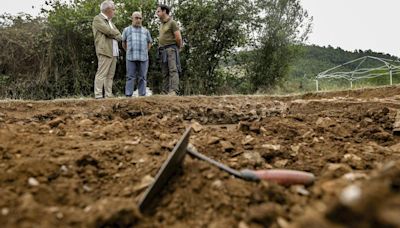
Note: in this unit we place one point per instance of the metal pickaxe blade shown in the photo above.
(168, 169)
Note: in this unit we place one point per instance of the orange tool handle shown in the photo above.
(280, 176)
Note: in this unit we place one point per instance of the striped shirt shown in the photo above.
(137, 39)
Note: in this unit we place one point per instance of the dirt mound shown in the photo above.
(85, 163)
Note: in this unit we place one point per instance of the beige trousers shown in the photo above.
(104, 76)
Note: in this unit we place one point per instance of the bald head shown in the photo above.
(137, 19)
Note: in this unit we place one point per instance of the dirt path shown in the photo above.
(85, 163)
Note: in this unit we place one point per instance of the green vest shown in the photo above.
(167, 30)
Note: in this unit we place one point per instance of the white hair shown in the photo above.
(136, 13)
(106, 5)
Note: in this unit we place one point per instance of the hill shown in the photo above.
(315, 59)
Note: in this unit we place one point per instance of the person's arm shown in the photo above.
(149, 40)
(118, 37)
(124, 38)
(124, 45)
(101, 26)
(178, 39)
(177, 34)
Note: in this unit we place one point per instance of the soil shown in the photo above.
(86, 163)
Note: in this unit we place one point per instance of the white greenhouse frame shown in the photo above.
(390, 66)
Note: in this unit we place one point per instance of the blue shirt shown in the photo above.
(137, 39)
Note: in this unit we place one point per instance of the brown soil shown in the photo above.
(85, 163)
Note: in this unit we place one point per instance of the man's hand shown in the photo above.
(178, 39)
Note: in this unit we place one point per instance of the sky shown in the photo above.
(348, 24)
(356, 24)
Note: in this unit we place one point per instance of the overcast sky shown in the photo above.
(356, 24)
(349, 24)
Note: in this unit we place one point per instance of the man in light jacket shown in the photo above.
(106, 37)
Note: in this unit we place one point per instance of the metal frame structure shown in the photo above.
(388, 67)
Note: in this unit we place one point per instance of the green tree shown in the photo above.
(211, 30)
(280, 25)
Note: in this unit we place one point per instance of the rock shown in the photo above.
(85, 123)
(213, 140)
(335, 170)
(226, 146)
(87, 134)
(325, 122)
(268, 166)
(210, 176)
(164, 136)
(217, 184)
(355, 176)
(295, 149)
(55, 122)
(144, 183)
(29, 105)
(283, 223)
(271, 147)
(59, 215)
(5, 211)
(301, 190)
(61, 132)
(116, 127)
(255, 127)
(64, 170)
(133, 142)
(396, 124)
(333, 186)
(281, 163)
(254, 158)
(350, 195)
(86, 188)
(33, 182)
(248, 140)
(197, 127)
(353, 160)
(308, 134)
(86, 160)
(253, 112)
(244, 126)
(243, 224)
(169, 145)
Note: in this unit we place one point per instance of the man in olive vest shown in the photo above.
(106, 37)
(170, 43)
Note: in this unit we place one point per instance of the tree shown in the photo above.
(280, 26)
(211, 30)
